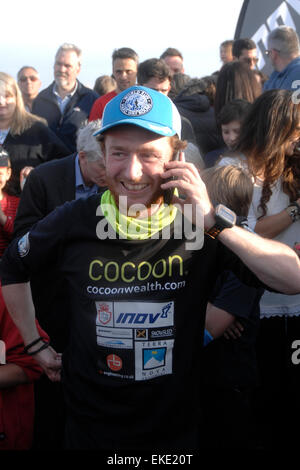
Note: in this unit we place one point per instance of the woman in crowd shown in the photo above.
(26, 137)
(195, 102)
(268, 149)
(235, 81)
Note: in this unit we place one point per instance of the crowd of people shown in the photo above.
(114, 333)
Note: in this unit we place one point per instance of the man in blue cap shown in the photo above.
(138, 285)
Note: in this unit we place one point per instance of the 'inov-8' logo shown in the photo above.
(161, 317)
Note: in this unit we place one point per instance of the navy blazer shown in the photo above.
(47, 186)
(75, 114)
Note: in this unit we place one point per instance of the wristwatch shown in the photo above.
(225, 218)
(293, 211)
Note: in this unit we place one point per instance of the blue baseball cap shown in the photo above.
(145, 108)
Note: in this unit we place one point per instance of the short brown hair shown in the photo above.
(229, 185)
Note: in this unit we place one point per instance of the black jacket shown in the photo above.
(197, 109)
(36, 145)
(76, 112)
(48, 186)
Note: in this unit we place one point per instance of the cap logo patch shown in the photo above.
(136, 103)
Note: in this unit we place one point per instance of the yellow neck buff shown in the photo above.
(135, 228)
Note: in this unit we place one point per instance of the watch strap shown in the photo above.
(215, 230)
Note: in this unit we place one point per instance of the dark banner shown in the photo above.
(258, 18)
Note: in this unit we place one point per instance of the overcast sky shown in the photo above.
(31, 32)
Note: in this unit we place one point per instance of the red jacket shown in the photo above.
(17, 403)
(99, 105)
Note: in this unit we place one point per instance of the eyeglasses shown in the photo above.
(268, 51)
(32, 78)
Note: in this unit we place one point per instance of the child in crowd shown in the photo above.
(229, 120)
(8, 203)
(229, 362)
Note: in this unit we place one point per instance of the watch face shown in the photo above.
(225, 216)
(293, 212)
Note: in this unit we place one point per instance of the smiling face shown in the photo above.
(29, 83)
(135, 160)
(7, 105)
(66, 70)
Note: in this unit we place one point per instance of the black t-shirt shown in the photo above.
(138, 311)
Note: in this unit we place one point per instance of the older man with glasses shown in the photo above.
(29, 83)
(284, 54)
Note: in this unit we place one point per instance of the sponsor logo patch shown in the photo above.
(117, 343)
(114, 362)
(153, 358)
(143, 314)
(104, 313)
(24, 245)
(141, 334)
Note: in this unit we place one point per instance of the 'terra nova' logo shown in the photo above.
(146, 319)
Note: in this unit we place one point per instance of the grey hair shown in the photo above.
(285, 40)
(66, 47)
(87, 142)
